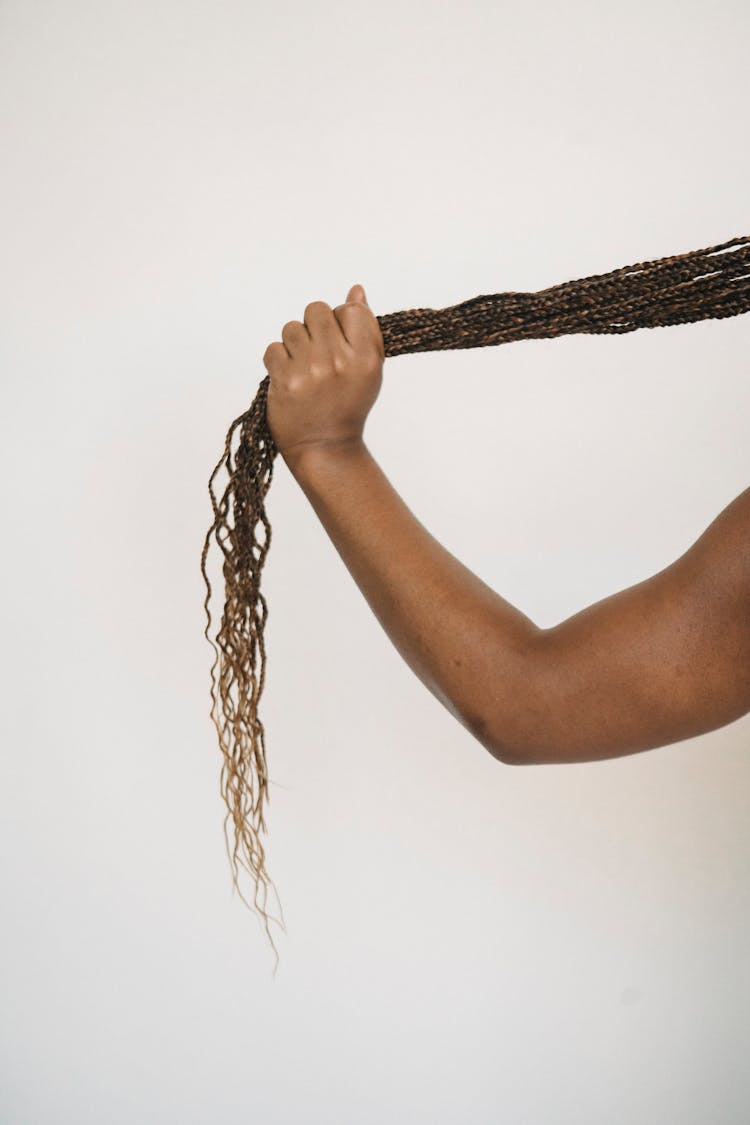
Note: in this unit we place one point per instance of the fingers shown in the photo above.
(321, 323)
(359, 326)
(274, 354)
(295, 336)
(352, 320)
(352, 323)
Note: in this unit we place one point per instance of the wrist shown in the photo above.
(306, 458)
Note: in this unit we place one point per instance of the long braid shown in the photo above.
(704, 284)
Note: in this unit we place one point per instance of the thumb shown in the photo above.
(357, 293)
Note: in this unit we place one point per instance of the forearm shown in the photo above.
(467, 645)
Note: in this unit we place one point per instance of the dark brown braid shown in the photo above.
(711, 283)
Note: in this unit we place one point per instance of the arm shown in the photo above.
(662, 661)
(659, 662)
(467, 645)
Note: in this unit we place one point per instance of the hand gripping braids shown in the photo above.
(704, 284)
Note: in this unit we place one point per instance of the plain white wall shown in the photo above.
(467, 942)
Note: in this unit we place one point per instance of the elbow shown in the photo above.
(517, 725)
(514, 755)
(518, 751)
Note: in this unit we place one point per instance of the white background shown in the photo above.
(466, 942)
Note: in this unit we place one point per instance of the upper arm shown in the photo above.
(659, 662)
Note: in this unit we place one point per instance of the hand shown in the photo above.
(325, 376)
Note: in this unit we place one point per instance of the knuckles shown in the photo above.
(320, 367)
(370, 350)
(272, 351)
(323, 306)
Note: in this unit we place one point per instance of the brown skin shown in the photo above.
(657, 663)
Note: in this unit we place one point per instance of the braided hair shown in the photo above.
(704, 284)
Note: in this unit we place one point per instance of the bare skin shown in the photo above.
(657, 663)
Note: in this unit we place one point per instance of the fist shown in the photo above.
(325, 376)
